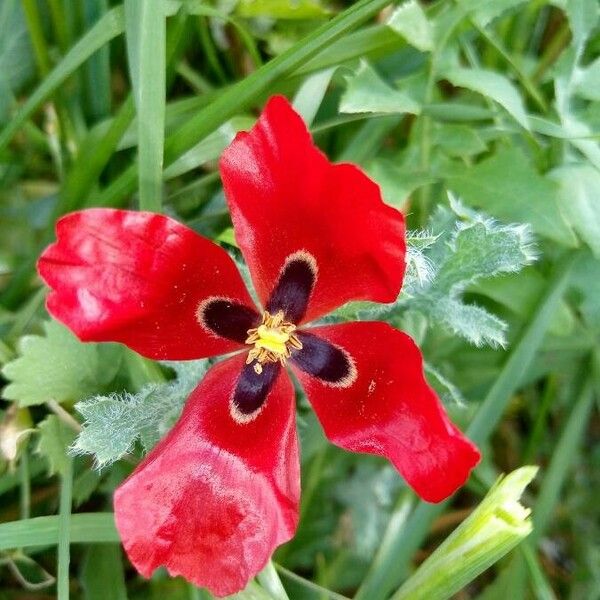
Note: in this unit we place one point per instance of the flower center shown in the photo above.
(273, 340)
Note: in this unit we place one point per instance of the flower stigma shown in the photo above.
(273, 341)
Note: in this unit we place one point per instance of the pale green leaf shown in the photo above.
(410, 21)
(397, 183)
(587, 81)
(57, 366)
(492, 85)
(579, 197)
(54, 440)
(366, 92)
(310, 94)
(458, 140)
(508, 187)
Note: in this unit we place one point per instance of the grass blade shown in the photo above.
(86, 528)
(145, 33)
(108, 27)
(240, 95)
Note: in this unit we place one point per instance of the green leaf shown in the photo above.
(54, 440)
(103, 563)
(282, 9)
(57, 366)
(579, 198)
(493, 85)
(113, 423)
(367, 92)
(396, 181)
(86, 528)
(458, 140)
(410, 21)
(509, 188)
(369, 496)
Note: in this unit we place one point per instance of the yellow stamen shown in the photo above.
(273, 341)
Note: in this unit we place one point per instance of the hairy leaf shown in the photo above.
(479, 248)
(115, 422)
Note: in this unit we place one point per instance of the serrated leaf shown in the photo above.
(579, 197)
(57, 366)
(115, 422)
(54, 440)
(366, 92)
(410, 21)
(493, 85)
(509, 188)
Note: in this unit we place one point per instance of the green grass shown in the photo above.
(130, 103)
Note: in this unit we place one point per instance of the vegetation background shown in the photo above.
(480, 119)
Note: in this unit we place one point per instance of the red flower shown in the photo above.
(220, 491)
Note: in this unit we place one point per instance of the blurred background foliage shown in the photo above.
(480, 119)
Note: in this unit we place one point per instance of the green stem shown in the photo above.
(269, 581)
(25, 483)
(64, 524)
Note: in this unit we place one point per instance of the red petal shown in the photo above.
(138, 278)
(285, 197)
(387, 408)
(214, 499)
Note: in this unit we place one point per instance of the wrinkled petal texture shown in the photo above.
(214, 498)
(286, 197)
(390, 410)
(138, 278)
